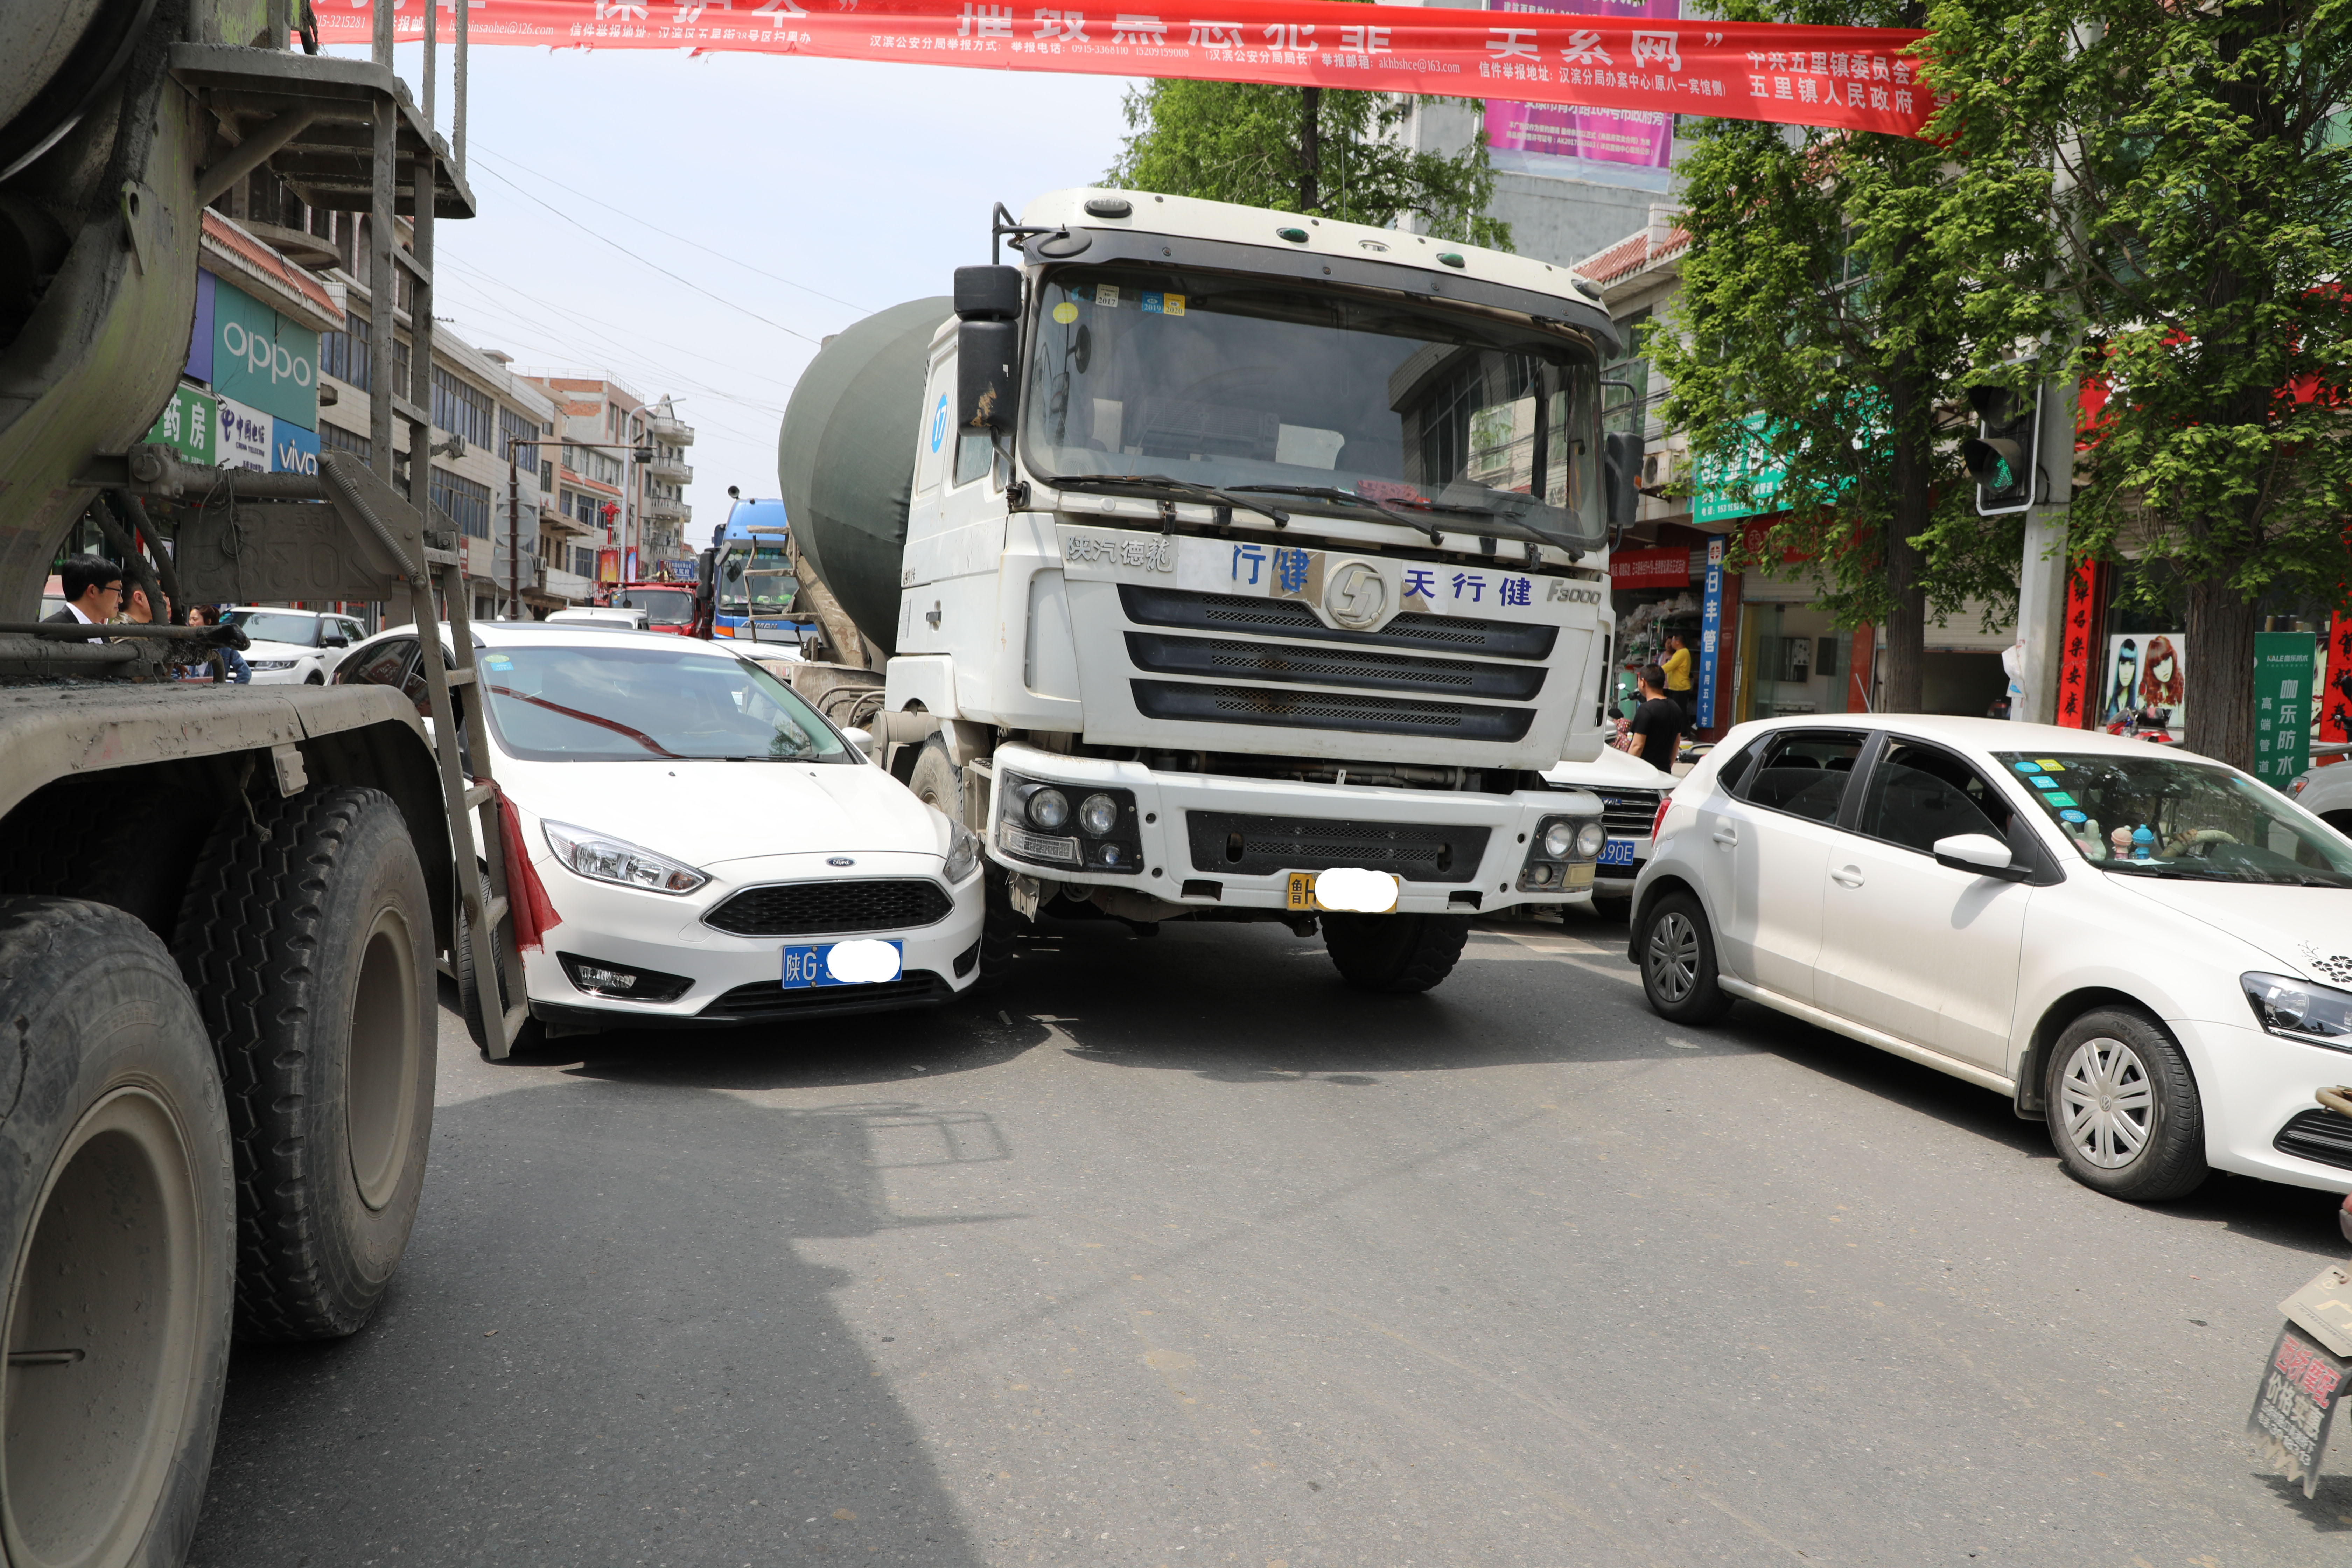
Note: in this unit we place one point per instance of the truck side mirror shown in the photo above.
(987, 353)
(988, 293)
(1621, 475)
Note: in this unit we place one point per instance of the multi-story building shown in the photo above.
(638, 507)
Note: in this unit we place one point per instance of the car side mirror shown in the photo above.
(334, 639)
(1981, 853)
(861, 739)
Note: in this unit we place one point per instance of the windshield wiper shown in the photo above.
(1208, 494)
(1330, 492)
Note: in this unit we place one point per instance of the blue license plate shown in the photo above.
(1617, 852)
(864, 962)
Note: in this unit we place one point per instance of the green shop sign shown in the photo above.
(263, 359)
(1731, 487)
(186, 425)
(2286, 669)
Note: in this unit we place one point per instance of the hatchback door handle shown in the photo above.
(1847, 876)
(1727, 836)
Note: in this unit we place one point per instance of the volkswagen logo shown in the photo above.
(840, 860)
(1355, 597)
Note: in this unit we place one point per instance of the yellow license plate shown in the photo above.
(1300, 895)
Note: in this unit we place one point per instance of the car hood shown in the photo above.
(1613, 769)
(2306, 930)
(707, 813)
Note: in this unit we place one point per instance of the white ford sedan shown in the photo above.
(2147, 950)
(714, 851)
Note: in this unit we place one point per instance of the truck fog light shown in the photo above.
(1539, 876)
(1558, 839)
(1049, 808)
(1099, 814)
(1591, 840)
(1112, 855)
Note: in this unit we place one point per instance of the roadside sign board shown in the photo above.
(2283, 666)
(2294, 1409)
(186, 425)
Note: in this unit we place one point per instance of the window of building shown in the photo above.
(345, 354)
(462, 409)
(335, 436)
(516, 435)
(467, 503)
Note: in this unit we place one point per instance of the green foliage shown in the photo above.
(1236, 142)
(1815, 293)
(2191, 250)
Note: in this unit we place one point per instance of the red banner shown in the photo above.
(1666, 567)
(1861, 78)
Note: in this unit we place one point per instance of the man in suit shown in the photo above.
(93, 590)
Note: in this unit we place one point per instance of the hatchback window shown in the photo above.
(1805, 772)
(1918, 795)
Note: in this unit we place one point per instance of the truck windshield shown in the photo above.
(663, 607)
(1480, 424)
(755, 583)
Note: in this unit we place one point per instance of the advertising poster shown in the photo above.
(241, 438)
(608, 566)
(1618, 146)
(262, 359)
(2146, 683)
(186, 425)
(292, 449)
(2284, 667)
(1710, 633)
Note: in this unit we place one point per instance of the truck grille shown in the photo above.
(1261, 846)
(1329, 711)
(1331, 667)
(1150, 607)
(814, 908)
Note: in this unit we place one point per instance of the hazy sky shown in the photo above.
(826, 189)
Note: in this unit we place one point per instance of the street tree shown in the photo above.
(1815, 329)
(1324, 151)
(2156, 197)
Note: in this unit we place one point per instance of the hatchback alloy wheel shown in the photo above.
(2107, 1102)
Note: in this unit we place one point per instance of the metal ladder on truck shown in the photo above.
(345, 135)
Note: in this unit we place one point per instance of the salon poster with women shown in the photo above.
(2146, 681)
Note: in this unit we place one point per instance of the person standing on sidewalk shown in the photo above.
(1678, 687)
(1656, 733)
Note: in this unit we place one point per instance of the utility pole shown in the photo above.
(514, 530)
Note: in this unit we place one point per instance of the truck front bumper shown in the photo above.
(1203, 838)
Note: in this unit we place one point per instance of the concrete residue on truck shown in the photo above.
(1233, 565)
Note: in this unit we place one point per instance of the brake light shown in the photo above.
(1659, 820)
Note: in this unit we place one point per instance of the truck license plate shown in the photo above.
(862, 961)
(1617, 852)
(1351, 890)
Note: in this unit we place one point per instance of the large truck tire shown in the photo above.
(1395, 954)
(937, 782)
(307, 936)
(118, 1217)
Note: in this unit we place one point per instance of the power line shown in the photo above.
(657, 229)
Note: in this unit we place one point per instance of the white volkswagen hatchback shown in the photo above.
(714, 851)
(2146, 949)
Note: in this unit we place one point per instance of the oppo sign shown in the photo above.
(262, 356)
(262, 359)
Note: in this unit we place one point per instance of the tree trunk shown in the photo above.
(1311, 148)
(2219, 673)
(1902, 676)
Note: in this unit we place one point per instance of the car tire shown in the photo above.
(1677, 949)
(1395, 955)
(2123, 1108)
(532, 1033)
(117, 1239)
(307, 936)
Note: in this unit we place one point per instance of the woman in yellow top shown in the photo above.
(1678, 676)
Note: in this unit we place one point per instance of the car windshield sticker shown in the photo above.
(1107, 294)
(2027, 767)
(1066, 312)
(2054, 766)
(2059, 799)
(2073, 816)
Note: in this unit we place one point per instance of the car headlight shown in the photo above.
(2320, 1014)
(1591, 840)
(271, 663)
(964, 853)
(602, 857)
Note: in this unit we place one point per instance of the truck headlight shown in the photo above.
(1591, 840)
(1099, 814)
(1558, 839)
(963, 854)
(1049, 808)
(2319, 1015)
(602, 857)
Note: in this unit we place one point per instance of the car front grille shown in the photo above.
(1150, 607)
(1262, 845)
(768, 999)
(1224, 658)
(2320, 1135)
(1329, 711)
(1628, 813)
(829, 908)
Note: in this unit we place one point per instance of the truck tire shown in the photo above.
(307, 937)
(937, 781)
(470, 996)
(118, 1217)
(1395, 954)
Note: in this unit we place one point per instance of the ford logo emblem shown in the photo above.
(841, 860)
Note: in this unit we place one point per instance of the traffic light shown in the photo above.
(2003, 455)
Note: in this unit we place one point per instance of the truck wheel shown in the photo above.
(117, 1213)
(470, 996)
(936, 780)
(1398, 954)
(308, 939)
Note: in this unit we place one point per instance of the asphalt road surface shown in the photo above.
(1177, 1252)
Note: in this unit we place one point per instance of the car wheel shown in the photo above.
(1678, 973)
(1398, 955)
(315, 678)
(2123, 1108)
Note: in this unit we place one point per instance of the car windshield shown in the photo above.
(272, 625)
(2162, 815)
(663, 607)
(640, 704)
(1467, 421)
